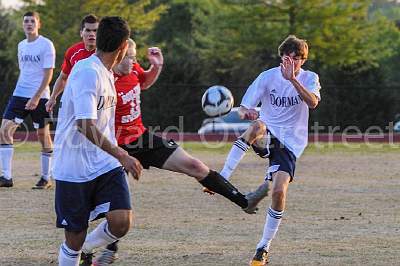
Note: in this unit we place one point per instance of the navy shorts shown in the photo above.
(15, 111)
(78, 203)
(151, 150)
(280, 157)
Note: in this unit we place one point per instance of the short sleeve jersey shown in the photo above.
(282, 109)
(33, 58)
(128, 119)
(73, 54)
(89, 94)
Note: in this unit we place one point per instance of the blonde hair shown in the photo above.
(131, 43)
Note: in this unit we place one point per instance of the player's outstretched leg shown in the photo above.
(255, 131)
(273, 218)
(180, 161)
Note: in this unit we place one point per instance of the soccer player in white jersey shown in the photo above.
(36, 59)
(90, 180)
(286, 94)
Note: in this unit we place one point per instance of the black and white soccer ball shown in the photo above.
(217, 101)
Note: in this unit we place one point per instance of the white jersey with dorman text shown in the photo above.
(282, 109)
(89, 94)
(33, 58)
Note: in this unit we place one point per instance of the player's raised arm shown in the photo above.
(288, 70)
(156, 59)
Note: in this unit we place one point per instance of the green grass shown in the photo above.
(224, 147)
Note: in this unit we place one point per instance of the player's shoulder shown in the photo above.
(22, 43)
(309, 74)
(271, 72)
(45, 40)
(87, 67)
(75, 48)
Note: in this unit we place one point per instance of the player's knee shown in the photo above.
(196, 168)
(257, 129)
(75, 240)
(120, 227)
(5, 136)
(278, 195)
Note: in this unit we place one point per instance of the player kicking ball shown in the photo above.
(152, 150)
(279, 132)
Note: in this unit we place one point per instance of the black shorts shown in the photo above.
(15, 111)
(280, 157)
(151, 150)
(78, 203)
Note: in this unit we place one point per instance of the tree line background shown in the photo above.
(354, 47)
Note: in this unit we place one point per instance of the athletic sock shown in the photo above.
(6, 154)
(238, 150)
(215, 182)
(271, 226)
(67, 256)
(45, 158)
(100, 236)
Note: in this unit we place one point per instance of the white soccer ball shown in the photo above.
(217, 101)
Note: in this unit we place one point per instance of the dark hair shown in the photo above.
(292, 44)
(112, 32)
(89, 19)
(32, 14)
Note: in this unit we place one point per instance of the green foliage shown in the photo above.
(141, 15)
(354, 46)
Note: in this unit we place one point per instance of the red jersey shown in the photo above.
(73, 54)
(128, 116)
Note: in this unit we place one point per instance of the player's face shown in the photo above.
(31, 25)
(297, 60)
(122, 52)
(88, 34)
(125, 67)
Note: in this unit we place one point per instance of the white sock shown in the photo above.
(99, 237)
(68, 257)
(272, 223)
(6, 154)
(238, 150)
(45, 158)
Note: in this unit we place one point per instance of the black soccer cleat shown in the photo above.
(4, 182)
(86, 259)
(42, 184)
(260, 258)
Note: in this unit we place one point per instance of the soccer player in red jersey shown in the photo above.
(76, 52)
(150, 149)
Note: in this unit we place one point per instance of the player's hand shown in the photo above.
(50, 104)
(287, 68)
(132, 165)
(209, 192)
(155, 56)
(248, 114)
(32, 103)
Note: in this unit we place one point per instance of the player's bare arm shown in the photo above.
(248, 114)
(156, 59)
(88, 128)
(34, 101)
(58, 88)
(288, 72)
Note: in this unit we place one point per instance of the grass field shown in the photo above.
(343, 209)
